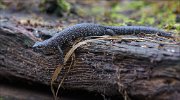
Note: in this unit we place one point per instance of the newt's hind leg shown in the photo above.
(110, 32)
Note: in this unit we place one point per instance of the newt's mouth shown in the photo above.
(37, 49)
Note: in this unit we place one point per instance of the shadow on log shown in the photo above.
(130, 69)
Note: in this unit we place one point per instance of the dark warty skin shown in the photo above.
(48, 46)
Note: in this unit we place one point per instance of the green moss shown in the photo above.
(135, 5)
(166, 17)
(97, 10)
(116, 7)
(157, 14)
(144, 19)
(2, 6)
(177, 27)
(63, 5)
(55, 6)
(1, 98)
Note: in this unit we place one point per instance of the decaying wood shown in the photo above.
(132, 69)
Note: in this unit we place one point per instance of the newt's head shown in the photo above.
(43, 48)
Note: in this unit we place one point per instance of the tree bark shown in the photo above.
(131, 69)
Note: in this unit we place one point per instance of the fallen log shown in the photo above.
(130, 69)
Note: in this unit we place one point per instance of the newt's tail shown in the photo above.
(128, 30)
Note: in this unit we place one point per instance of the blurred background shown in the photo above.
(159, 13)
(50, 16)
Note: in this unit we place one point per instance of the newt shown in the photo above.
(56, 42)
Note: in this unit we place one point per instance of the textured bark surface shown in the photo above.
(137, 70)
